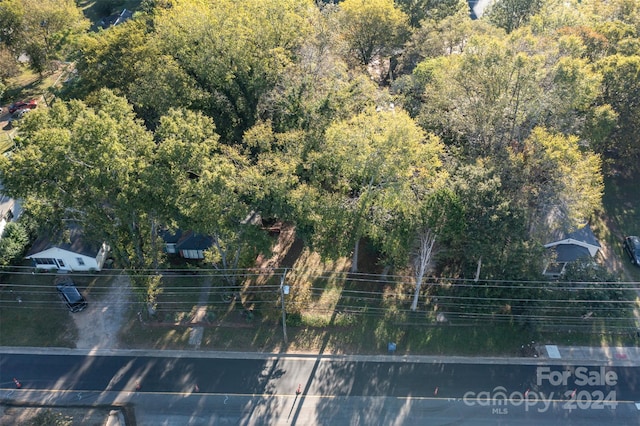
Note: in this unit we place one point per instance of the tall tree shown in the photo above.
(211, 189)
(372, 28)
(419, 10)
(555, 178)
(84, 163)
(363, 173)
(233, 51)
(39, 27)
(496, 91)
(512, 14)
(621, 90)
(422, 261)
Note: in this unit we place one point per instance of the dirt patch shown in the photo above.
(99, 324)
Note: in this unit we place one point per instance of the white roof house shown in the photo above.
(74, 255)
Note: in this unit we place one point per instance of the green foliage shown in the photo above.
(13, 242)
(497, 90)
(365, 172)
(621, 90)
(40, 28)
(558, 179)
(598, 290)
(372, 28)
(110, 59)
(512, 14)
(235, 52)
(495, 228)
(51, 418)
(85, 163)
(441, 37)
(436, 10)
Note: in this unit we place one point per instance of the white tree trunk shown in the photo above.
(354, 261)
(422, 262)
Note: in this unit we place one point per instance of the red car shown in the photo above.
(22, 105)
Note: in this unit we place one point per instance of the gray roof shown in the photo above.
(193, 241)
(76, 244)
(584, 234)
(570, 253)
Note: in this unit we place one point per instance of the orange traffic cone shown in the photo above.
(18, 384)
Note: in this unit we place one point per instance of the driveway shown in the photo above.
(99, 324)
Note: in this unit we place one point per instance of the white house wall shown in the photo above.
(66, 260)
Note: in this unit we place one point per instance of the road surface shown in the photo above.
(186, 390)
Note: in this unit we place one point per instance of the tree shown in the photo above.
(233, 51)
(372, 28)
(556, 178)
(445, 36)
(512, 14)
(13, 242)
(211, 187)
(621, 90)
(363, 174)
(495, 92)
(483, 98)
(41, 28)
(436, 10)
(82, 162)
(422, 261)
(111, 59)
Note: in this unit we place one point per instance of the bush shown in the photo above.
(51, 418)
(294, 319)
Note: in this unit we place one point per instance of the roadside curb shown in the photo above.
(427, 359)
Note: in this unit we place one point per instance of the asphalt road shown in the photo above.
(185, 390)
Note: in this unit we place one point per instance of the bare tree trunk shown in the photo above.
(354, 261)
(422, 262)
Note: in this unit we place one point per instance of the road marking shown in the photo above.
(279, 395)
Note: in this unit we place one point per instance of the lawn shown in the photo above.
(621, 217)
(32, 314)
(328, 309)
(318, 322)
(328, 313)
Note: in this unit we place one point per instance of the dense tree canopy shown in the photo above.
(208, 115)
(372, 27)
(40, 28)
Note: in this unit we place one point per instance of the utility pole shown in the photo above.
(284, 291)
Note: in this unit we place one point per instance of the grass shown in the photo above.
(317, 320)
(367, 327)
(621, 217)
(31, 313)
(326, 328)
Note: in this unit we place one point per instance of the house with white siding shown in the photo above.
(74, 254)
